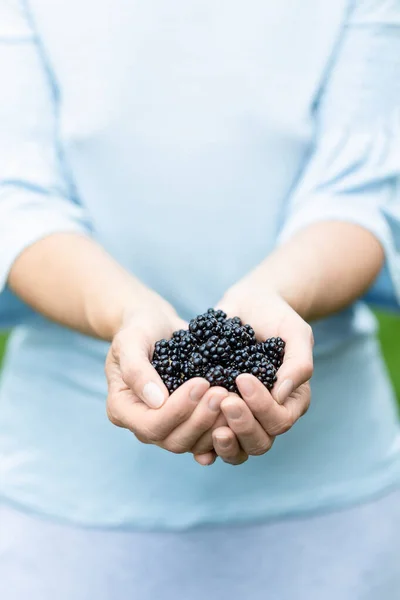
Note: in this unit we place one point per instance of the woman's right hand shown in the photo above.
(137, 398)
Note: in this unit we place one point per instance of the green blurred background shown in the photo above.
(390, 338)
(2, 345)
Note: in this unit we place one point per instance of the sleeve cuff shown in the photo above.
(25, 221)
(383, 223)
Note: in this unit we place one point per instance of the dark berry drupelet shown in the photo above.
(219, 349)
(216, 376)
(274, 350)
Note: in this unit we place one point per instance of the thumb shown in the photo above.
(297, 367)
(132, 351)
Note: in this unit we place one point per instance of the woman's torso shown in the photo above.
(184, 128)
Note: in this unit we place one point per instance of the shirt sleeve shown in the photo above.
(37, 197)
(353, 173)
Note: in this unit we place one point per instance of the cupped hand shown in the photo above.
(137, 397)
(249, 425)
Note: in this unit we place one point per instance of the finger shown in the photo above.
(252, 438)
(299, 402)
(207, 459)
(132, 349)
(274, 418)
(153, 426)
(206, 443)
(183, 438)
(297, 367)
(227, 446)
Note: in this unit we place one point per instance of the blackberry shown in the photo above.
(219, 349)
(274, 349)
(217, 314)
(188, 370)
(230, 384)
(172, 384)
(234, 321)
(266, 373)
(205, 326)
(216, 375)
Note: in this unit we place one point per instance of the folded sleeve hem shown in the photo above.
(350, 210)
(32, 223)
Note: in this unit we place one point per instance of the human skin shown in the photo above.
(320, 270)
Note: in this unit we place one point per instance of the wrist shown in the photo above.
(298, 296)
(121, 304)
(145, 300)
(295, 275)
(273, 281)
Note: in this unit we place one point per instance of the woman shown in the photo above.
(157, 159)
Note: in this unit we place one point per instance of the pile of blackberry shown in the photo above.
(218, 349)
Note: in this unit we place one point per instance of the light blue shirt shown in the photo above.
(189, 138)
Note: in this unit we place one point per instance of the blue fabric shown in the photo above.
(12, 310)
(189, 139)
(351, 554)
(383, 294)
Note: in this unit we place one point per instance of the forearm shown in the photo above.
(323, 268)
(70, 279)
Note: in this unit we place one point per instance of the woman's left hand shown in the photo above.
(249, 424)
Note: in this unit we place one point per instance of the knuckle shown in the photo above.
(308, 333)
(175, 446)
(112, 417)
(230, 457)
(281, 427)
(307, 402)
(141, 439)
(154, 435)
(307, 369)
(205, 444)
(148, 435)
(236, 460)
(261, 448)
(284, 427)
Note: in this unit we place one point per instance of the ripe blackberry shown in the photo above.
(230, 384)
(218, 349)
(274, 349)
(239, 336)
(217, 314)
(172, 384)
(266, 373)
(216, 375)
(205, 326)
(234, 321)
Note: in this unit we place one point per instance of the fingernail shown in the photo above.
(232, 411)
(153, 395)
(224, 442)
(205, 460)
(214, 403)
(197, 392)
(284, 391)
(246, 385)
